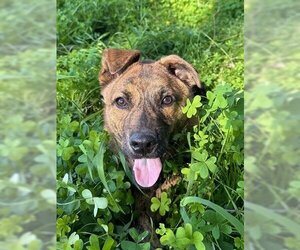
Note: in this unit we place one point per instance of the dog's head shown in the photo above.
(143, 102)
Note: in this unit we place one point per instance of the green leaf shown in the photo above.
(199, 245)
(188, 230)
(222, 103)
(161, 230)
(73, 238)
(105, 227)
(241, 184)
(191, 112)
(211, 217)
(87, 194)
(211, 164)
(191, 108)
(101, 203)
(78, 245)
(62, 227)
(108, 244)
(216, 232)
(94, 243)
(69, 205)
(81, 146)
(197, 239)
(226, 229)
(142, 236)
(164, 204)
(185, 171)
(144, 246)
(180, 233)
(197, 236)
(182, 243)
(210, 96)
(168, 238)
(128, 172)
(203, 171)
(134, 234)
(98, 161)
(129, 245)
(186, 108)
(67, 153)
(196, 166)
(200, 156)
(155, 204)
(238, 242)
(234, 221)
(66, 178)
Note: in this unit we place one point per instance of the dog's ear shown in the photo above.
(116, 61)
(181, 69)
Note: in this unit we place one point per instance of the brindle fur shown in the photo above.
(143, 84)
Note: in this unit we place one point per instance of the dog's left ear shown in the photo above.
(181, 69)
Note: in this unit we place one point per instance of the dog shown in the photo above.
(142, 108)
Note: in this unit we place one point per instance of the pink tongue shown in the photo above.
(146, 171)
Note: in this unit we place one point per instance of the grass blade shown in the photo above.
(128, 172)
(98, 161)
(234, 221)
(288, 224)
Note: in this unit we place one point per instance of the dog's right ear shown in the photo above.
(115, 62)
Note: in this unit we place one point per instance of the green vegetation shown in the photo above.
(272, 132)
(95, 203)
(27, 127)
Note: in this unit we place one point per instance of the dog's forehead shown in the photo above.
(145, 75)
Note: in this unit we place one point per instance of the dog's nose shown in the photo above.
(142, 143)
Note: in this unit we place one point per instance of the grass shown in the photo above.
(271, 161)
(27, 144)
(95, 201)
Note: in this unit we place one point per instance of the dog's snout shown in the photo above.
(142, 143)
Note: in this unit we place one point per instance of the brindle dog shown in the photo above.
(143, 101)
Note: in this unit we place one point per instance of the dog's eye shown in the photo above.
(167, 100)
(121, 102)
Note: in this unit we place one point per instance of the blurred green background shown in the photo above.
(27, 127)
(271, 128)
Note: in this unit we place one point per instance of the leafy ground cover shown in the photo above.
(27, 127)
(271, 129)
(95, 202)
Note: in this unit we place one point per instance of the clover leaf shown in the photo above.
(202, 164)
(191, 107)
(64, 150)
(168, 238)
(162, 204)
(99, 202)
(183, 238)
(197, 240)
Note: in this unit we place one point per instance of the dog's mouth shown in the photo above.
(144, 151)
(146, 171)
